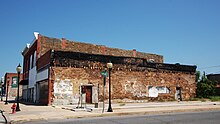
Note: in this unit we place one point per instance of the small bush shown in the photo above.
(214, 98)
(194, 99)
(205, 87)
(122, 104)
(203, 100)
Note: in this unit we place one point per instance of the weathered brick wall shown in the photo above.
(44, 60)
(134, 85)
(77, 59)
(26, 60)
(131, 76)
(47, 43)
(126, 84)
(67, 82)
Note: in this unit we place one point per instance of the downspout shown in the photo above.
(49, 86)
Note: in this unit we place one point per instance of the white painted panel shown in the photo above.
(153, 92)
(63, 87)
(94, 94)
(42, 75)
(32, 77)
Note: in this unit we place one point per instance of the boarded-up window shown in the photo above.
(30, 62)
(154, 91)
(34, 59)
(43, 92)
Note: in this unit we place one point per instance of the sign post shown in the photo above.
(104, 74)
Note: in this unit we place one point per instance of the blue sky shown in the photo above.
(183, 31)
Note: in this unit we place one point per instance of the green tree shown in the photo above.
(205, 87)
(198, 76)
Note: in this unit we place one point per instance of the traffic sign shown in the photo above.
(104, 73)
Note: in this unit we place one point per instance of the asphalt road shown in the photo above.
(205, 117)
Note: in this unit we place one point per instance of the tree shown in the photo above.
(205, 87)
(198, 76)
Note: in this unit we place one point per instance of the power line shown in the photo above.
(217, 72)
(217, 66)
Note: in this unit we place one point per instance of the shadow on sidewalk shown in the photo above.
(31, 103)
(26, 103)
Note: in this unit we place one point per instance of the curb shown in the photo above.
(135, 107)
(119, 114)
(143, 113)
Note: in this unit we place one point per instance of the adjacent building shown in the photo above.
(57, 71)
(215, 78)
(11, 85)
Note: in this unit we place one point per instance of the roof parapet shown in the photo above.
(36, 35)
(28, 45)
(25, 49)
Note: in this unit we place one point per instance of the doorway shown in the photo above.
(88, 91)
(178, 94)
(43, 92)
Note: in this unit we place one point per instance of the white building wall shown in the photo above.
(32, 81)
(32, 77)
(42, 75)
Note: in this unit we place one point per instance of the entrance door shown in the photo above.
(178, 93)
(88, 94)
(43, 93)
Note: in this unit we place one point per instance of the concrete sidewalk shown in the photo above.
(34, 113)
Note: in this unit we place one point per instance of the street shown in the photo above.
(205, 117)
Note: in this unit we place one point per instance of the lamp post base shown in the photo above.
(18, 109)
(109, 109)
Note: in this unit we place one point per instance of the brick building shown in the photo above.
(11, 85)
(58, 70)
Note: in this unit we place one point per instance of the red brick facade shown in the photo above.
(29, 56)
(9, 88)
(132, 78)
(65, 67)
(66, 45)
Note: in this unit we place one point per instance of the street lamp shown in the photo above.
(2, 89)
(109, 66)
(18, 69)
(7, 83)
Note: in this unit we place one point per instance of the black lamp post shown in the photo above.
(7, 83)
(109, 66)
(18, 71)
(2, 89)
